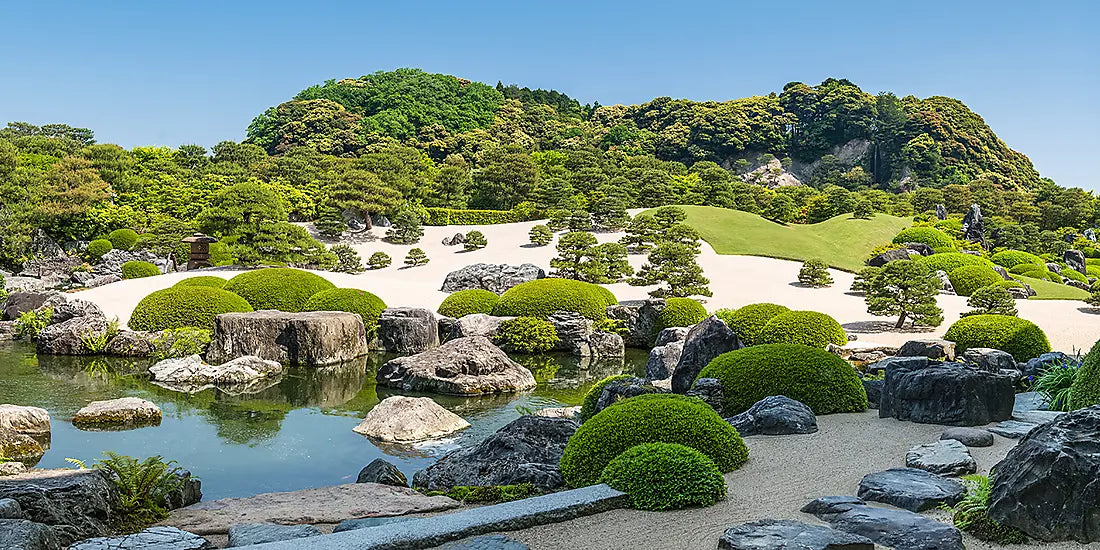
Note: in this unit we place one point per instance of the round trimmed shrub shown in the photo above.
(969, 278)
(810, 328)
(1020, 337)
(528, 335)
(588, 407)
(352, 300)
(203, 280)
(1085, 391)
(665, 476)
(1020, 269)
(1011, 284)
(951, 261)
(97, 248)
(281, 288)
(651, 418)
(680, 312)
(1009, 259)
(468, 302)
(543, 297)
(138, 270)
(824, 382)
(185, 306)
(123, 239)
(748, 321)
(928, 235)
(1073, 274)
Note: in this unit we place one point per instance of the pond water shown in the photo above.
(295, 434)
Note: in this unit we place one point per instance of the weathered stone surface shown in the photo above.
(73, 336)
(639, 319)
(380, 471)
(153, 538)
(188, 493)
(617, 390)
(312, 338)
(18, 303)
(364, 523)
(457, 238)
(487, 542)
(775, 415)
(476, 324)
(573, 332)
(466, 366)
(948, 393)
(25, 420)
(132, 343)
(663, 360)
(920, 248)
(76, 504)
(7, 331)
(971, 437)
(121, 412)
(492, 277)
(408, 330)
(1054, 267)
(945, 283)
(1037, 365)
(888, 256)
(1075, 259)
(771, 534)
(670, 335)
(10, 509)
(193, 374)
(946, 457)
(1047, 486)
(12, 468)
(705, 341)
(710, 391)
(932, 348)
(897, 529)
(400, 419)
(606, 344)
(973, 225)
(111, 262)
(559, 412)
(526, 450)
(20, 447)
(19, 534)
(989, 359)
(1012, 429)
(259, 533)
(874, 391)
(910, 489)
(941, 212)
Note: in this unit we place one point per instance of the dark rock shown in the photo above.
(775, 415)
(670, 335)
(77, 504)
(492, 277)
(364, 523)
(457, 238)
(380, 471)
(1075, 259)
(1037, 365)
(606, 344)
(910, 489)
(941, 212)
(920, 248)
(20, 534)
(18, 303)
(380, 220)
(311, 338)
(971, 437)
(710, 391)
(487, 542)
(897, 529)
(1051, 266)
(705, 341)
(573, 332)
(888, 256)
(527, 450)
(132, 343)
(466, 366)
(10, 509)
(989, 359)
(946, 457)
(408, 330)
(936, 349)
(72, 337)
(626, 388)
(973, 226)
(771, 534)
(662, 360)
(189, 492)
(911, 362)
(949, 393)
(153, 538)
(640, 321)
(259, 533)
(1012, 429)
(874, 391)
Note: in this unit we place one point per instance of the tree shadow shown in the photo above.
(801, 285)
(879, 327)
(1090, 310)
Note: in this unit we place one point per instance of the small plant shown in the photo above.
(864, 210)
(1055, 384)
(972, 514)
(488, 494)
(96, 250)
(379, 260)
(416, 257)
(614, 326)
(347, 259)
(815, 274)
(142, 485)
(30, 323)
(991, 300)
(541, 235)
(475, 240)
(405, 228)
(180, 342)
(139, 270)
(528, 335)
(1094, 298)
(96, 342)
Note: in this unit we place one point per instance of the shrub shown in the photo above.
(748, 321)
(928, 235)
(97, 248)
(143, 487)
(588, 407)
(281, 288)
(138, 270)
(475, 240)
(379, 260)
(652, 418)
(185, 306)
(1011, 284)
(969, 278)
(809, 328)
(487, 494)
(203, 280)
(823, 381)
(1073, 274)
(907, 289)
(1009, 259)
(541, 235)
(347, 259)
(815, 274)
(680, 312)
(447, 216)
(1020, 337)
(123, 239)
(30, 323)
(1055, 384)
(862, 281)
(543, 297)
(352, 300)
(972, 514)
(726, 315)
(665, 476)
(405, 228)
(416, 257)
(181, 342)
(528, 335)
(992, 299)
(468, 302)
(951, 261)
(1085, 391)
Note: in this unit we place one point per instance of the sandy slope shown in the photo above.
(735, 281)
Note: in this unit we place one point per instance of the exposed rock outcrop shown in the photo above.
(492, 277)
(705, 341)
(408, 330)
(314, 338)
(400, 419)
(466, 366)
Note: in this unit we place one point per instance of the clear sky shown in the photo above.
(170, 73)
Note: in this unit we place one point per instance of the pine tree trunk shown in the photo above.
(901, 320)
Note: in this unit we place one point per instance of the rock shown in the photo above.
(380, 471)
(32, 421)
(487, 542)
(573, 332)
(909, 362)
(1012, 429)
(920, 248)
(1089, 234)
(20, 534)
(1029, 401)
(18, 303)
(132, 343)
(10, 509)
(153, 538)
(1054, 267)
(771, 534)
(1037, 365)
(867, 356)
(121, 412)
(710, 391)
(1002, 272)
(1075, 259)
(245, 534)
(616, 391)
(475, 324)
(663, 360)
(400, 419)
(457, 238)
(195, 374)
(946, 457)
(1047, 484)
(910, 489)
(466, 366)
(526, 450)
(364, 523)
(989, 359)
(973, 226)
(888, 256)
(189, 492)
(408, 330)
(559, 412)
(102, 280)
(111, 262)
(71, 309)
(75, 336)
(897, 529)
(20, 447)
(947, 393)
(670, 335)
(311, 338)
(24, 284)
(945, 283)
(705, 341)
(775, 415)
(51, 272)
(606, 344)
(937, 349)
(492, 277)
(76, 504)
(12, 468)
(7, 331)
(639, 319)
(941, 212)
(971, 437)
(874, 391)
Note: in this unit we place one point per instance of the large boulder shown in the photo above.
(888, 256)
(663, 360)
(573, 332)
(408, 330)
(911, 489)
(1047, 486)
(946, 457)
(20, 447)
(77, 327)
(989, 359)
(705, 341)
(938, 349)
(772, 534)
(946, 393)
(20, 534)
(132, 343)
(153, 538)
(973, 225)
(33, 421)
(192, 374)
(475, 324)
(492, 277)
(466, 366)
(1037, 365)
(670, 335)
(606, 345)
(1075, 259)
(312, 338)
(76, 504)
(625, 388)
(897, 529)
(117, 413)
(400, 419)
(380, 471)
(640, 321)
(775, 415)
(527, 450)
(18, 303)
(710, 391)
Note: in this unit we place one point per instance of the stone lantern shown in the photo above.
(200, 250)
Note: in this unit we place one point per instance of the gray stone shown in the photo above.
(153, 538)
(1037, 365)
(946, 457)
(20, 447)
(193, 374)
(1012, 429)
(380, 471)
(111, 262)
(639, 318)
(920, 248)
(910, 362)
(888, 256)
(1036, 417)
(948, 393)
(973, 226)
(771, 534)
(364, 523)
(989, 359)
(941, 212)
(971, 437)
(132, 343)
(662, 360)
(1075, 259)
(1029, 401)
(775, 415)
(874, 391)
(10, 509)
(76, 504)
(606, 344)
(705, 341)
(118, 413)
(466, 366)
(617, 390)
(945, 283)
(932, 348)
(710, 391)
(408, 330)
(73, 336)
(670, 335)
(24, 284)
(1003, 273)
(1054, 267)
(492, 277)
(457, 238)
(19, 534)
(573, 332)
(259, 533)
(402, 419)
(33, 421)
(476, 324)
(488, 542)
(1089, 234)
(897, 529)
(910, 489)
(311, 338)
(18, 303)
(12, 468)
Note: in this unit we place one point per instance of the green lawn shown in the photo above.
(1047, 290)
(843, 242)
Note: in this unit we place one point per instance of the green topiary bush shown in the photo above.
(138, 270)
(809, 328)
(97, 248)
(123, 239)
(652, 418)
(588, 407)
(1073, 274)
(528, 335)
(815, 274)
(203, 280)
(665, 476)
(281, 288)
(680, 312)
(824, 382)
(1009, 259)
(928, 235)
(951, 261)
(379, 260)
(185, 306)
(748, 321)
(1020, 337)
(543, 297)
(468, 302)
(1085, 391)
(970, 278)
(352, 300)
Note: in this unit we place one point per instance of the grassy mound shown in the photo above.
(468, 302)
(139, 270)
(203, 280)
(97, 248)
(352, 300)
(1009, 259)
(281, 288)
(186, 306)
(950, 261)
(1020, 337)
(926, 235)
(749, 320)
(680, 312)
(543, 297)
(123, 239)
(809, 328)
(665, 476)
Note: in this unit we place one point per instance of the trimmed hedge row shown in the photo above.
(1019, 337)
(184, 306)
(351, 300)
(543, 297)
(665, 476)
(810, 328)
(969, 278)
(468, 302)
(749, 320)
(281, 288)
(448, 216)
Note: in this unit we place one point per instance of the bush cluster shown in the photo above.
(992, 299)
(1019, 337)
(543, 297)
(352, 300)
(588, 407)
(185, 306)
(680, 312)
(138, 270)
(123, 239)
(815, 274)
(749, 320)
(665, 476)
(449, 216)
(970, 278)
(203, 280)
(280, 288)
(809, 328)
(528, 335)
(950, 261)
(1073, 274)
(1085, 391)
(379, 260)
(1009, 259)
(468, 302)
(928, 235)
(97, 248)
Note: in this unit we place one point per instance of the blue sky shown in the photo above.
(170, 73)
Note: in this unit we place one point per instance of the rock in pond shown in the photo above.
(12, 468)
(605, 344)
(193, 374)
(245, 534)
(18, 303)
(132, 343)
(408, 330)
(946, 393)
(897, 529)
(76, 504)
(705, 341)
(20, 447)
(492, 277)
(971, 437)
(933, 348)
(153, 538)
(118, 413)
(910, 489)
(33, 421)
(466, 366)
(75, 326)
(772, 534)
(400, 419)
(559, 412)
(946, 457)
(639, 321)
(311, 338)
(380, 471)
(775, 415)
(475, 324)
(20, 534)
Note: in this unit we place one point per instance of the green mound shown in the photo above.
(1020, 337)
(351, 300)
(186, 306)
(280, 288)
(665, 476)
(468, 302)
(809, 328)
(543, 297)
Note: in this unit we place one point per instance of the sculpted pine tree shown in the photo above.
(330, 222)
(610, 213)
(641, 234)
(379, 260)
(680, 233)
(416, 257)
(541, 235)
(673, 267)
(991, 300)
(907, 289)
(475, 240)
(606, 263)
(573, 248)
(782, 209)
(405, 228)
(668, 216)
(815, 274)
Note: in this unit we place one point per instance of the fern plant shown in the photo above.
(971, 514)
(143, 486)
(30, 323)
(97, 342)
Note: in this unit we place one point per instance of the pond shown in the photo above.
(295, 434)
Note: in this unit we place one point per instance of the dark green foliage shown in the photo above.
(405, 228)
(815, 274)
(642, 233)
(668, 216)
(202, 280)
(541, 235)
(750, 320)
(542, 297)
(1085, 391)
(680, 312)
(185, 306)
(448, 216)
(652, 418)
(143, 488)
(281, 288)
(379, 260)
(1009, 259)
(1055, 384)
(972, 514)
(864, 210)
(573, 247)
(528, 335)
(352, 300)
(1020, 337)
(862, 280)
(928, 235)
(138, 269)
(123, 239)
(968, 279)
(330, 221)
(665, 476)
(993, 299)
(672, 266)
(809, 328)
(467, 302)
(347, 259)
(487, 494)
(475, 240)
(588, 407)
(905, 288)
(416, 257)
(97, 248)
(824, 382)
(181, 342)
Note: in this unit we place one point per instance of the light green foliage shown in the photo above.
(542, 297)
(781, 209)
(280, 288)
(143, 487)
(672, 266)
(968, 279)
(541, 235)
(905, 288)
(750, 320)
(528, 335)
(1085, 391)
(186, 306)
(864, 210)
(416, 257)
(405, 228)
(1055, 383)
(475, 240)
(972, 514)
(97, 248)
(379, 260)
(352, 300)
(927, 235)
(809, 328)
(588, 407)
(487, 494)
(665, 476)
(347, 259)
(950, 261)
(993, 299)
(467, 302)
(815, 274)
(138, 270)
(1009, 259)
(30, 323)
(203, 280)
(1020, 337)
(181, 342)
(123, 239)
(680, 312)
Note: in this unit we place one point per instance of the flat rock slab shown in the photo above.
(971, 437)
(437, 530)
(947, 457)
(897, 529)
(1036, 417)
(118, 413)
(246, 534)
(363, 523)
(1013, 429)
(320, 505)
(153, 538)
(770, 534)
(490, 542)
(910, 489)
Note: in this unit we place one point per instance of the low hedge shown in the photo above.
(951, 261)
(1011, 284)
(203, 280)
(449, 216)
(352, 300)
(1009, 259)
(123, 239)
(139, 270)
(969, 278)
(528, 335)
(665, 476)
(820, 379)
(1019, 337)
(810, 328)
(1085, 391)
(468, 302)
(281, 288)
(749, 320)
(652, 418)
(543, 297)
(184, 306)
(928, 235)
(97, 248)
(680, 312)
